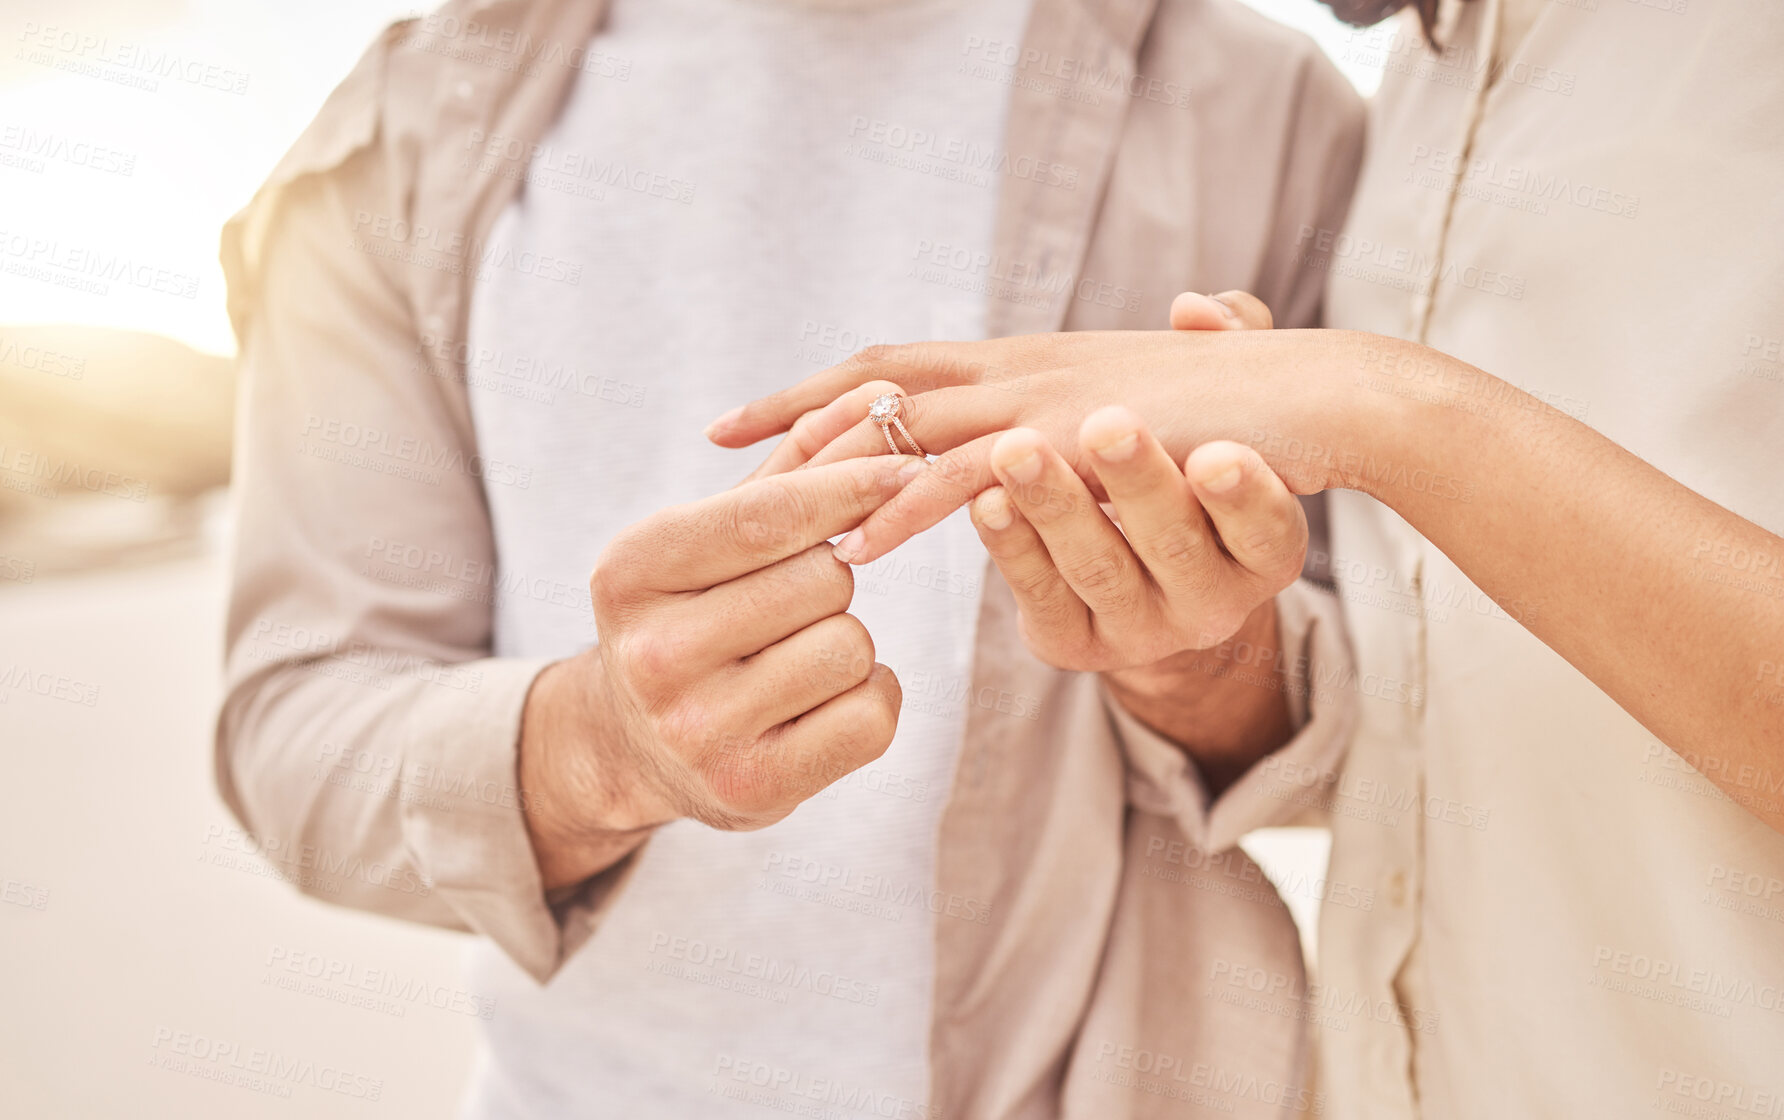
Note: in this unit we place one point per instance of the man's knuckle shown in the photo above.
(1220, 624)
(690, 728)
(745, 785)
(1104, 575)
(869, 733)
(1263, 542)
(1178, 546)
(1285, 566)
(772, 516)
(608, 593)
(846, 649)
(1196, 576)
(1033, 585)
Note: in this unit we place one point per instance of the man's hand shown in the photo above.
(1196, 565)
(1199, 548)
(728, 686)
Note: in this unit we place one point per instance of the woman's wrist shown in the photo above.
(1378, 415)
(1303, 401)
(1432, 420)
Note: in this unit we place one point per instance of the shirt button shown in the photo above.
(464, 89)
(1397, 888)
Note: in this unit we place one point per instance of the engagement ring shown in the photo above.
(884, 412)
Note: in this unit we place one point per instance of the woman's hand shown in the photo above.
(1273, 390)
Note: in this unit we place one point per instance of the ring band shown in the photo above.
(884, 412)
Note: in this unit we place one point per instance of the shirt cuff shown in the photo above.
(463, 818)
(1283, 785)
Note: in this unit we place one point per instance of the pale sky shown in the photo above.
(151, 175)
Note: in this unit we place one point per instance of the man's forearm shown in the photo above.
(1226, 706)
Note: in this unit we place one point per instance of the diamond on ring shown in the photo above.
(884, 411)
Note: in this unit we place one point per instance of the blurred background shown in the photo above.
(131, 910)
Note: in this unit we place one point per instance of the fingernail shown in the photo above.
(724, 421)
(1221, 480)
(1227, 309)
(1120, 449)
(850, 547)
(1027, 468)
(911, 470)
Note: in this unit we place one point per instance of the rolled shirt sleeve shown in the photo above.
(1289, 785)
(367, 740)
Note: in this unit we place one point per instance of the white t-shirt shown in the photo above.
(751, 190)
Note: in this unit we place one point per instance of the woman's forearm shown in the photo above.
(1671, 604)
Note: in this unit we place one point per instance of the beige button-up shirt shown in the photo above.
(368, 738)
(1568, 919)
